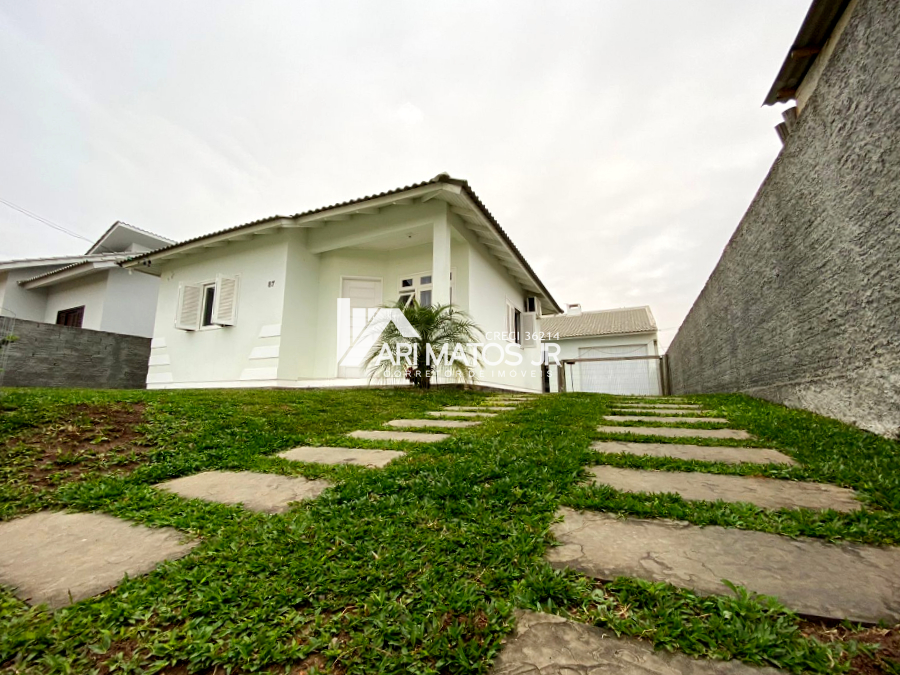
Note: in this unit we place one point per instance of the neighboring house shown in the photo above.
(257, 305)
(605, 334)
(86, 291)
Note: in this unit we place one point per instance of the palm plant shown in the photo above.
(442, 327)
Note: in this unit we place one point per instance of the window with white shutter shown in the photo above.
(225, 303)
(529, 330)
(513, 323)
(190, 303)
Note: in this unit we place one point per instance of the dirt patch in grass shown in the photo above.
(91, 440)
(882, 657)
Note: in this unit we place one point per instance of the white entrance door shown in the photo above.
(634, 378)
(365, 298)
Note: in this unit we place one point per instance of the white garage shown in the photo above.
(622, 345)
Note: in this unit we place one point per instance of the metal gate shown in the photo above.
(622, 375)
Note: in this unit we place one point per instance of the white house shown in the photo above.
(257, 305)
(618, 336)
(86, 291)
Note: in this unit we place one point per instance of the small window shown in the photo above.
(406, 299)
(406, 283)
(70, 317)
(513, 323)
(425, 298)
(209, 301)
(427, 280)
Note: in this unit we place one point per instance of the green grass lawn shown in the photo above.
(415, 568)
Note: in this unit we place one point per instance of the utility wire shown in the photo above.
(40, 219)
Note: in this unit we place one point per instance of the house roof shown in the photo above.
(87, 265)
(115, 240)
(57, 261)
(456, 192)
(822, 17)
(602, 322)
(120, 235)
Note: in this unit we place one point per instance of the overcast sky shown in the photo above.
(617, 142)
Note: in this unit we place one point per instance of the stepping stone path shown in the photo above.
(545, 644)
(442, 424)
(767, 493)
(264, 492)
(351, 456)
(702, 453)
(678, 432)
(859, 583)
(59, 558)
(659, 411)
(663, 420)
(653, 406)
(460, 413)
(414, 436)
(480, 407)
(811, 577)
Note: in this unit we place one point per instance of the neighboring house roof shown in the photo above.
(456, 192)
(80, 268)
(121, 235)
(603, 322)
(116, 240)
(818, 25)
(57, 261)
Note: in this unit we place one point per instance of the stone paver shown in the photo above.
(413, 436)
(663, 420)
(658, 411)
(702, 453)
(767, 493)
(859, 583)
(489, 408)
(354, 456)
(676, 432)
(460, 413)
(264, 492)
(546, 644)
(677, 406)
(59, 558)
(440, 424)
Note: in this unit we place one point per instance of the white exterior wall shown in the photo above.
(570, 349)
(129, 306)
(89, 291)
(21, 303)
(221, 356)
(489, 288)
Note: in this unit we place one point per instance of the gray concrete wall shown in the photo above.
(803, 307)
(47, 355)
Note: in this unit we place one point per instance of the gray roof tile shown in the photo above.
(603, 322)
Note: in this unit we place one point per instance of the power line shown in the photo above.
(45, 221)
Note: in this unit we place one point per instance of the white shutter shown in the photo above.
(529, 329)
(190, 304)
(225, 303)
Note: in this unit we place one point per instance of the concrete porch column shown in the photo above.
(440, 266)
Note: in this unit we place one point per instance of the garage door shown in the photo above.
(633, 378)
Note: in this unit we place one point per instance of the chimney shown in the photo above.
(573, 310)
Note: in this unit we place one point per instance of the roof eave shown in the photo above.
(342, 211)
(822, 17)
